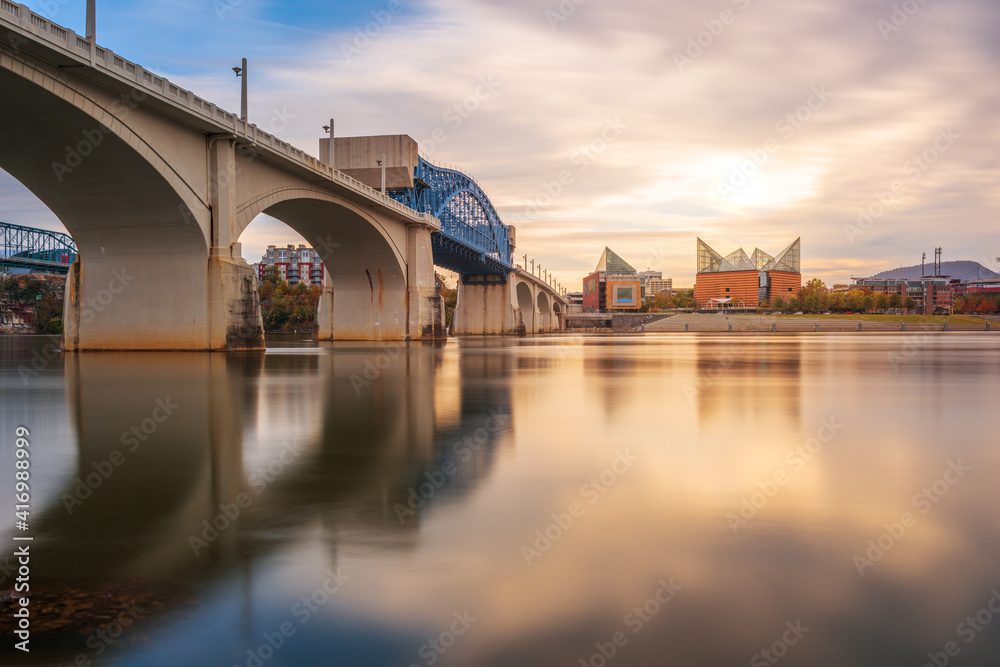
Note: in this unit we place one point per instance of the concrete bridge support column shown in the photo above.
(486, 305)
(324, 311)
(425, 307)
(381, 303)
(233, 301)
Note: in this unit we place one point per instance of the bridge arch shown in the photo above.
(526, 306)
(544, 311)
(365, 290)
(140, 228)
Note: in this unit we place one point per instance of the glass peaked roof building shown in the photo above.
(613, 265)
(709, 261)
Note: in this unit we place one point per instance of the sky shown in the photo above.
(866, 127)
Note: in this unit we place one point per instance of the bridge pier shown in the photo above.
(486, 306)
(381, 305)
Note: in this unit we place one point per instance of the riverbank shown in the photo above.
(31, 303)
(865, 323)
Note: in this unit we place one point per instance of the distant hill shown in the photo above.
(963, 270)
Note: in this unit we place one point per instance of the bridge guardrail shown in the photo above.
(70, 42)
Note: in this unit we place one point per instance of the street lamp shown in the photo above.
(92, 30)
(381, 163)
(242, 73)
(329, 153)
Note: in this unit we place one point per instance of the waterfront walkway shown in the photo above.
(780, 324)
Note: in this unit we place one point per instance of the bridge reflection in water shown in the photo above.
(414, 478)
(198, 470)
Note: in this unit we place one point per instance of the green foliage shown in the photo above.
(285, 308)
(38, 297)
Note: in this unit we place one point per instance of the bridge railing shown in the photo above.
(147, 81)
(535, 269)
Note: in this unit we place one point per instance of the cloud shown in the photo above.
(657, 183)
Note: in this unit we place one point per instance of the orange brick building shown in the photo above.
(738, 281)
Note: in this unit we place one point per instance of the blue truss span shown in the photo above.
(473, 239)
(38, 250)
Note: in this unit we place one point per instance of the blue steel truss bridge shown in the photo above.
(37, 250)
(473, 239)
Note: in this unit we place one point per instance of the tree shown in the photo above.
(778, 303)
(895, 301)
(663, 300)
(793, 305)
(837, 302)
(909, 304)
(882, 301)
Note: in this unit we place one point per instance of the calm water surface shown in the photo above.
(660, 500)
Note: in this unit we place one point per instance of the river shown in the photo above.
(670, 499)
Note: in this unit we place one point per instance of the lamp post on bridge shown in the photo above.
(329, 153)
(92, 30)
(381, 163)
(242, 73)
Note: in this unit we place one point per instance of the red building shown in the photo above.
(293, 265)
(738, 281)
(614, 285)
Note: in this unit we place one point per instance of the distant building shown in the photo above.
(656, 285)
(614, 285)
(929, 292)
(739, 281)
(294, 265)
(984, 286)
